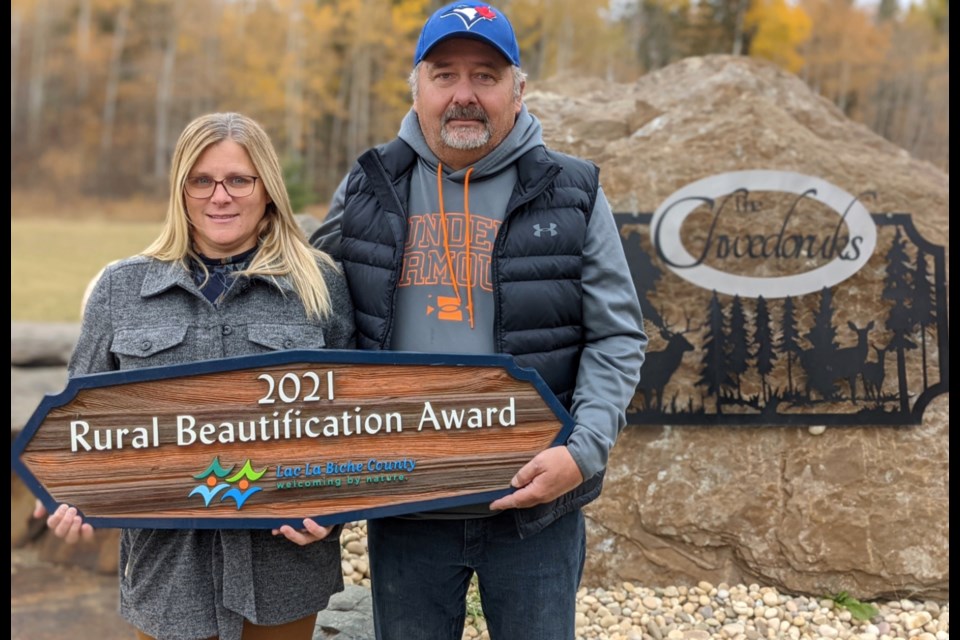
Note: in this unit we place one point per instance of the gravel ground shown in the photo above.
(706, 611)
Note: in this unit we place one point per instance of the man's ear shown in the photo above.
(518, 103)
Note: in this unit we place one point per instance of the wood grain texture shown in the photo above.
(337, 438)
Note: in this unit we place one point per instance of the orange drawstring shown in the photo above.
(466, 210)
(446, 239)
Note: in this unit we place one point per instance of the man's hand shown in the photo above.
(65, 523)
(549, 475)
(311, 532)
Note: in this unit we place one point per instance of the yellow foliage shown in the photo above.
(95, 80)
(778, 29)
(842, 58)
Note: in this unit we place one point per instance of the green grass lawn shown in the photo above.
(52, 261)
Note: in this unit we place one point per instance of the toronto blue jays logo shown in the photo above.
(471, 15)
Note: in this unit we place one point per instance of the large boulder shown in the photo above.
(857, 508)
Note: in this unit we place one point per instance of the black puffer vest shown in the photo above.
(536, 271)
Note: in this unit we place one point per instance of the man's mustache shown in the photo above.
(465, 113)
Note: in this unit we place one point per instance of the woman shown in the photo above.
(230, 274)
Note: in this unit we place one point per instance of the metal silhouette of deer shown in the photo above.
(659, 366)
(873, 374)
(848, 363)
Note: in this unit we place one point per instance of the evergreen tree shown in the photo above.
(765, 353)
(897, 288)
(923, 306)
(714, 374)
(790, 339)
(817, 359)
(737, 342)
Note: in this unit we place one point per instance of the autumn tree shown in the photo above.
(777, 30)
(99, 89)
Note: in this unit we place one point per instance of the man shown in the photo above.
(467, 235)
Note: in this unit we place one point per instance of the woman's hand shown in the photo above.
(311, 532)
(65, 523)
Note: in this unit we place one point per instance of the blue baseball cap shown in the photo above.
(468, 19)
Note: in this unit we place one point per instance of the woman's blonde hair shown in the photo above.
(283, 250)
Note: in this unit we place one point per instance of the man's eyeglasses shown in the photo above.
(203, 186)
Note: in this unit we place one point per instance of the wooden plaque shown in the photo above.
(260, 441)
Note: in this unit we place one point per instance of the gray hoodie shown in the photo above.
(434, 314)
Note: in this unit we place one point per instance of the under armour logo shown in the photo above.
(552, 229)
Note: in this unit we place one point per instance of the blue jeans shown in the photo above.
(420, 571)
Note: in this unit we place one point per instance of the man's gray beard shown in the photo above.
(465, 139)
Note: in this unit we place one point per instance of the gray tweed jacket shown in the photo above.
(204, 583)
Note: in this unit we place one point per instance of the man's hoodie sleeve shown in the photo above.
(615, 344)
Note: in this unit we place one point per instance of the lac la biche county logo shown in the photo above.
(237, 487)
